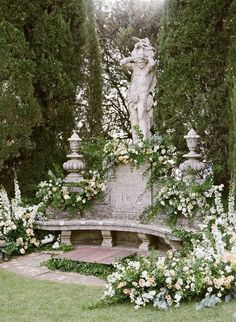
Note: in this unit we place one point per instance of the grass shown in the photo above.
(24, 299)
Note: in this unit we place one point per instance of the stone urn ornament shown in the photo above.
(192, 166)
(75, 164)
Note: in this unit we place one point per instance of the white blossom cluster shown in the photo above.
(55, 192)
(207, 273)
(17, 222)
(158, 153)
(182, 200)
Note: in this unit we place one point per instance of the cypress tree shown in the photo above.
(93, 77)
(192, 91)
(54, 34)
(19, 109)
(232, 84)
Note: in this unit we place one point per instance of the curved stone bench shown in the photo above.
(107, 226)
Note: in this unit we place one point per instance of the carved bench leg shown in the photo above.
(65, 237)
(144, 246)
(107, 239)
(174, 244)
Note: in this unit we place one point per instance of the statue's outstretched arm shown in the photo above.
(127, 62)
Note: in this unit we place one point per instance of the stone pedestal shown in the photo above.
(126, 194)
(107, 238)
(66, 237)
(144, 245)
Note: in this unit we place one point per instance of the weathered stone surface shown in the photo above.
(95, 254)
(126, 194)
(31, 266)
(143, 231)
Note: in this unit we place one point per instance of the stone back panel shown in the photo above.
(126, 195)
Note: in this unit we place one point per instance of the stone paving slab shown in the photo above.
(98, 254)
(30, 266)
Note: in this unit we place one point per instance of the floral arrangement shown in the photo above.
(57, 195)
(16, 224)
(158, 152)
(177, 198)
(17, 230)
(207, 273)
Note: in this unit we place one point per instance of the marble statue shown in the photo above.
(143, 81)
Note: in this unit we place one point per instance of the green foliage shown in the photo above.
(7, 250)
(41, 44)
(192, 91)
(20, 111)
(92, 151)
(68, 265)
(66, 247)
(187, 237)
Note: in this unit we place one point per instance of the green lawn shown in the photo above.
(23, 300)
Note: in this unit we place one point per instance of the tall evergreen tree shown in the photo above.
(93, 80)
(232, 84)
(192, 91)
(53, 32)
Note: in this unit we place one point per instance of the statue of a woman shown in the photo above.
(142, 85)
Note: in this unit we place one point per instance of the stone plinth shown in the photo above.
(126, 194)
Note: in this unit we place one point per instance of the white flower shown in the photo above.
(22, 251)
(56, 245)
(177, 297)
(168, 280)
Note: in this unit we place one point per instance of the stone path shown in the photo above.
(31, 266)
(98, 254)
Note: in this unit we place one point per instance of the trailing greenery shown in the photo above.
(192, 65)
(68, 265)
(41, 45)
(158, 155)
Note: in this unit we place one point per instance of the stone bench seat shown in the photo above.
(65, 227)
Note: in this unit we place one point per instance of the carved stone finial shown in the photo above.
(192, 165)
(75, 163)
